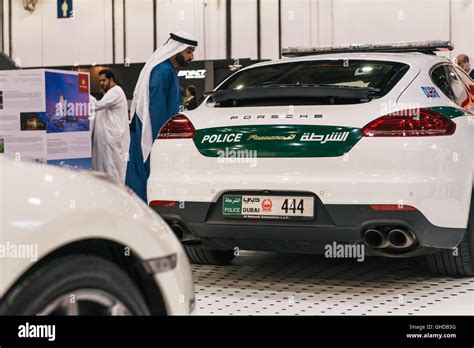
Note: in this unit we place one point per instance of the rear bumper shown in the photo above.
(332, 223)
(433, 174)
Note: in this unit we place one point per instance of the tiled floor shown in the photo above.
(292, 284)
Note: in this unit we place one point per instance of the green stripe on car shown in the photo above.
(449, 111)
(277, 140)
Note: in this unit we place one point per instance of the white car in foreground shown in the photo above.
(356, 144)
(74, 243)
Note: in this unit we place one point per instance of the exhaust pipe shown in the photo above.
(401, 238)
(376, 238)
(184, 235)
(178, 231)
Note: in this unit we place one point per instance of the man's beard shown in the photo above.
(182, 62)
(104, 89)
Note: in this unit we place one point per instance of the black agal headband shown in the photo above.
(183, 40)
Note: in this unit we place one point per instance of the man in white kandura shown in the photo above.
(111, 135)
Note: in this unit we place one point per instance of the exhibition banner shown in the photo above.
(44, 117)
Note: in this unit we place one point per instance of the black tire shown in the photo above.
(443, 262)
(209, 257)
(70, 274)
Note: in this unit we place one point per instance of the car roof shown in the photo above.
(420, 59)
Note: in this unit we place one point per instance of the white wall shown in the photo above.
(296, 22)
(269, 28)
(395, 20)
(463, 27)
(2, 18)
(244, 29)
(40, 39)
(119, 37)
(213, 37)
(139, 33)
(26, 35)
(5, 28)
(205, 19)
(177, 15)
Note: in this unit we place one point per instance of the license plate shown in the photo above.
(268, 207)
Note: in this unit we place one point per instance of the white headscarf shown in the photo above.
(140, 102)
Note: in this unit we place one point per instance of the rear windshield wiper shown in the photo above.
(294, 91)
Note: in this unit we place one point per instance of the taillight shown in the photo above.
(162, 203)
(410, 123)
(177, 127)
(392, 207)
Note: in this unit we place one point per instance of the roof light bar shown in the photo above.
(428, 47)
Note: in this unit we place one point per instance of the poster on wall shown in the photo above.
(45, 117)
(22, 119)
(67, 111)
(65, 9)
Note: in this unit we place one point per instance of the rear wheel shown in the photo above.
(458, 261)
(209, 257)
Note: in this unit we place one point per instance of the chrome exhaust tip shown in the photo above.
(376, 238)
(401, 238)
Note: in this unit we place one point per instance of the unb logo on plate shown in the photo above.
(232, 205)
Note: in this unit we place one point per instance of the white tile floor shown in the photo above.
(258, 283)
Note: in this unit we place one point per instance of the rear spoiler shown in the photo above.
(427, 47)
(291, 91)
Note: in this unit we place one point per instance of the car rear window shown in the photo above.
(380, 75)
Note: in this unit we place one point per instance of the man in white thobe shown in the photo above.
(111, 135)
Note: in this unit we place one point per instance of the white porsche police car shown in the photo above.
(357, 144)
